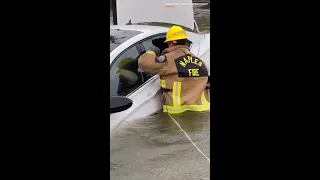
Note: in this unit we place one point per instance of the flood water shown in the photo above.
(156, 148)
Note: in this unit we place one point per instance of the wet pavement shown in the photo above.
(156, 148)
(201, 15)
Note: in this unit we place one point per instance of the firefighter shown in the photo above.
(183, 76)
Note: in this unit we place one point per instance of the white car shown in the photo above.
(130, 41)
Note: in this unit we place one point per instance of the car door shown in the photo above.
(143, 93)
(146, 95)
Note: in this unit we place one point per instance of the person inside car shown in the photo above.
(130, 76)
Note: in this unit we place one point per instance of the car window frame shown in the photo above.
(140, 48)
(120, 54)
(125, 50)
(150, 37)
(143, 48)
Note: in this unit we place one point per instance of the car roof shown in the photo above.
(146, 30)
(142, 28)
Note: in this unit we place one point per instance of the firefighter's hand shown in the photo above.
(155, 49)
(161, 59)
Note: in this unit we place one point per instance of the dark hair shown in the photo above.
(181, 42)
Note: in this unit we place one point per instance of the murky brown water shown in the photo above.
(155, 147)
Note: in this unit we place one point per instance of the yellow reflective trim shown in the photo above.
(203, 99)
(195, 107)
(151, 52)
(174, 89)
(181, 109)
(178, 95)
(163, 83)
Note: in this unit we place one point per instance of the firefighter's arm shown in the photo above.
(149, 62)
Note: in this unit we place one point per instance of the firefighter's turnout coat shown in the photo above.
(183, 79)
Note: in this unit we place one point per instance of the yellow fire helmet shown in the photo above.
(175, 33)
(124, 62)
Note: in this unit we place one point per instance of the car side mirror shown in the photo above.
(119, 103)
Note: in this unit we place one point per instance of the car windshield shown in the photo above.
(118, 37)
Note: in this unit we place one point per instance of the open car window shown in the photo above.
(125, 76)
(121, 73)
(118, 37)
(158, 41)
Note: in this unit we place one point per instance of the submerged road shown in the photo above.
(156, 148)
